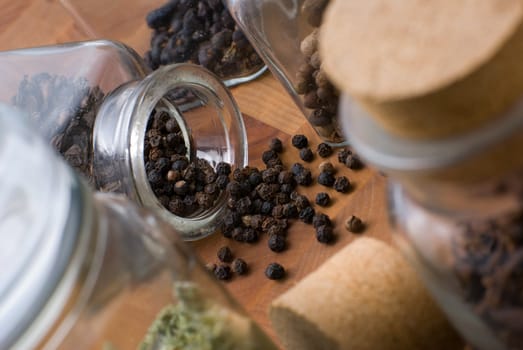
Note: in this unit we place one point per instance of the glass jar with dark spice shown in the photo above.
(78, 268)
(132, 131)
(456, 206)
(166, 32)
(285, 34)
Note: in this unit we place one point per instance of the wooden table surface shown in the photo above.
(269, 112)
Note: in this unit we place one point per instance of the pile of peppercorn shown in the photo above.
(200, 32)
(266, 202)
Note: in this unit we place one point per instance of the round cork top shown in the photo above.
(390, 50)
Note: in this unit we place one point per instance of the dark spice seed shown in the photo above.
(300, 141)
(322, 199)
(353, 162)
(269, 155)
(324, 150)
(354, 224)
(277, 243)
(276, 145)
(250, 235)
(275, 271)
(321, 219)
(290, 211)
(297, 168)
(306, 215)
(342, 184)
(225, 254)
(304, 178)
(326, 179)
(343, 154)
(324, 234)
(222, 272)
(301, 201)
(276, 230)
(327, 167)
(239, 266)
(306, 154)
(270, 175)
(223, 168)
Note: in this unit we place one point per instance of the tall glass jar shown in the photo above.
(456, 206)
(172, 31)
(285, 34)
(97, 104)
(83, 271)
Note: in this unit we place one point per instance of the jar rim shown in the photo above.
(148, 93)
(392, 153)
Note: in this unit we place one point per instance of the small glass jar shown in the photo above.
(83, 271)
(285, 34)
(456, 206)
(93, 101)
(171, 31)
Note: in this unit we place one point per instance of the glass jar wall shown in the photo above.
(285, 34)
(456, 207)
(92, 272)
(124, 130)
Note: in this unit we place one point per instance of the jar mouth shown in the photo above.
(209, 91)
(391, 153)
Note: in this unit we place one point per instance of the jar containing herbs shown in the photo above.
(174, 31)
(167, 139)
(456, 205)
(285, 34)
(97, 271)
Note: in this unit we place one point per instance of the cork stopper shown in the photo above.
(426, 69)
(364, 297)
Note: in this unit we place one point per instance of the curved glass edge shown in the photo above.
(147, 95)
(235, 81)
(388, 152)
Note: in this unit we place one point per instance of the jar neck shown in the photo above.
(464, 174)
(121, 126)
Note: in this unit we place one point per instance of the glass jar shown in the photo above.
(173, 31)
(84, 271)
(456, 206)
(94, 102)
(285, 34)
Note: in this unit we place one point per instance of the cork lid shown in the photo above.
(391, 50)
(429, 68)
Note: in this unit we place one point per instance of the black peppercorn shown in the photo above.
(343, 154)
(300, 141)
(342, 184)
(266, 208)
(304, 178)
(322, 199)
(269, 155)
(354, 224)
(225, 254)
(326, 179)
(277, 243)
(235, 189)
(274, 271)
(321, 219)
(353, 162)
(276, 145)
(223, 168)
(240, 266)
(327, 167)
(222, 272)
(270, 175)
(324, 234)
(301, 201)
(324, 150)
(297, 168)
(306, 154)
(250, 235)
(237, 234)
(306, 214)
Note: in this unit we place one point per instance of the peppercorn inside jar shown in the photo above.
(285, 35)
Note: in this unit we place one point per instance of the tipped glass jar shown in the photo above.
(456, 206)
(285, 34)
(174, 31)
(83, 271)
(159, 138)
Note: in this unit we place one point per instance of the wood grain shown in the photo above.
(269, 112)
